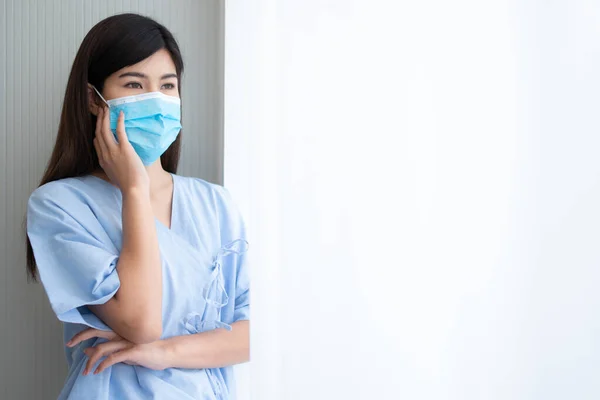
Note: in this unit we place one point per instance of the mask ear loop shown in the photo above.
(100, 95)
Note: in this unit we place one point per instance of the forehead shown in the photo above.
(158, 63)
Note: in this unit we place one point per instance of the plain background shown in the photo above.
(38, 42)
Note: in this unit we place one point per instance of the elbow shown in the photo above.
(145, 331)
(147, 336)
(137, 323)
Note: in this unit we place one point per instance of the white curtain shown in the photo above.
(421, 183)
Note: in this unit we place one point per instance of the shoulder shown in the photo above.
(73, 196)
(216, 198)
(57, 192)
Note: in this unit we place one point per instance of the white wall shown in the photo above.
(421, 181)
(38, 42)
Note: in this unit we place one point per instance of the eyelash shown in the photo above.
(139, 86)
(131, 85)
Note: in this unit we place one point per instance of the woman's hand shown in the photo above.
(117, 349)
(119, 160)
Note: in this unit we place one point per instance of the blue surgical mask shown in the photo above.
(152, 122)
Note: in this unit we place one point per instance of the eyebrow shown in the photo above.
(140, 75)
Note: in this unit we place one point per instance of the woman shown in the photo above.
(145, 268)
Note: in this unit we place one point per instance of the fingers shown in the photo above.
(90, 333)
(107, 135)
(98, 140)
(97, 352)
(114, 358)
(98, 150)
(121, 135)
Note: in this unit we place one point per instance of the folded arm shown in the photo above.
(211, 349)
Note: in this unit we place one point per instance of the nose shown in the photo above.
(153, 87)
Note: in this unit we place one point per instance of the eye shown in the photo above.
(168, 86)
(133, 85)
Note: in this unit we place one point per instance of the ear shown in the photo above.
(93, 100)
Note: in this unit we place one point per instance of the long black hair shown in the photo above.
(113, 43)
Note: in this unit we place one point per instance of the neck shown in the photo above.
(158, 176)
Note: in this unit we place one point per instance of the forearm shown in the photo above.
(212, 349)
(135, 312)
(139, 264)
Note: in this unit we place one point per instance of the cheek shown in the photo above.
(113, 92)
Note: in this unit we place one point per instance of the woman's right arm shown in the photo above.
(135, 311)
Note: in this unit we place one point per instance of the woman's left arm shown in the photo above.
(210, 349)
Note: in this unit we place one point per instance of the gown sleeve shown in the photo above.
(76, 259)
(233, 228)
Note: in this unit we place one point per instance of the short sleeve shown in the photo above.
(75, 258)
(233, 227)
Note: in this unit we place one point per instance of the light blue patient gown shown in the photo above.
(75, 229)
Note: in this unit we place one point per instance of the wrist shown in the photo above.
(166, 352)
(135, 193)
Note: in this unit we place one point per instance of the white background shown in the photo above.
(421, 183)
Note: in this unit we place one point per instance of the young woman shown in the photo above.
(144, 267)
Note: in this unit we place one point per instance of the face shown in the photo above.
(154, 74)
